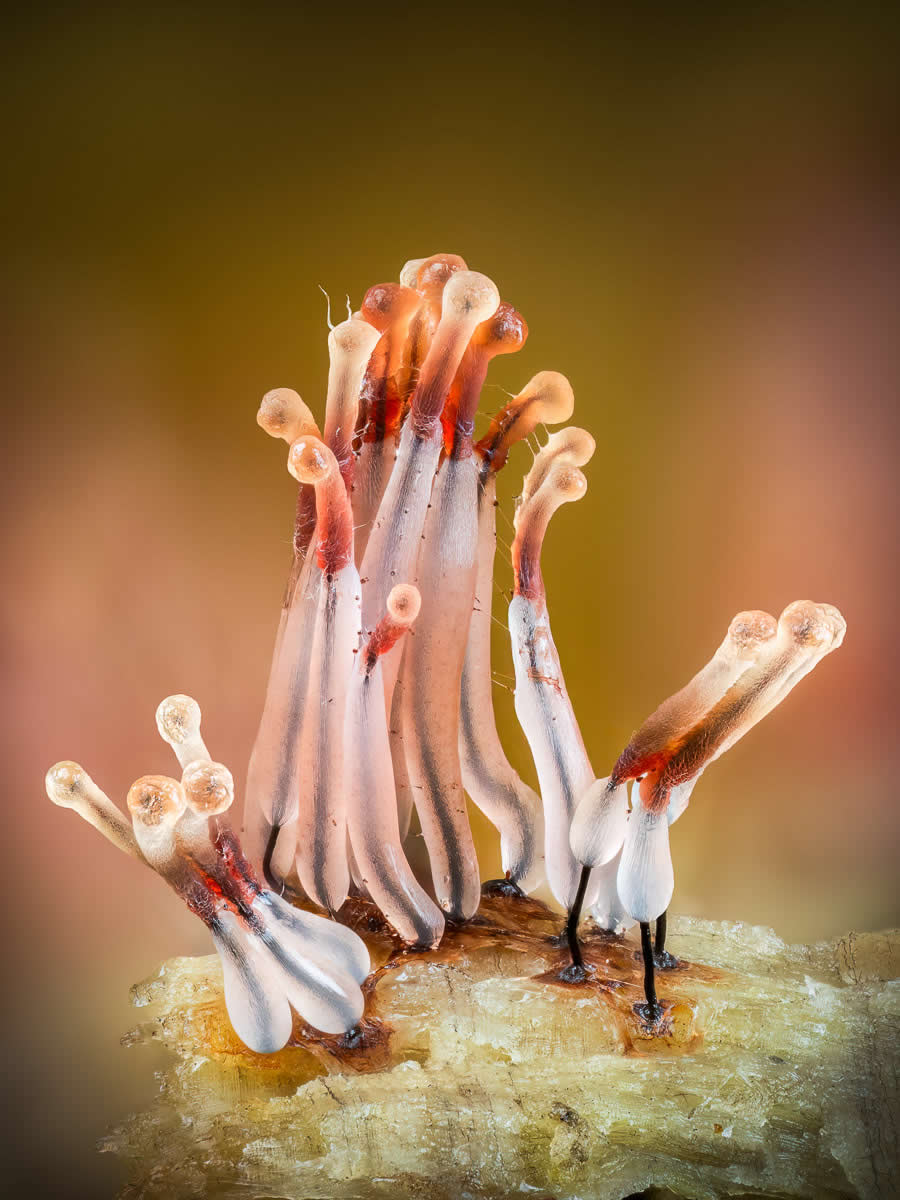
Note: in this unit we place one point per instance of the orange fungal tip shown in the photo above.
(386, 303)
(283, 414)
(310, 460)
(66, 782)
(434, 272)
(208, 787)
(156, 800)
(403, 603)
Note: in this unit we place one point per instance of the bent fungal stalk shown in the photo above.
(380, 689)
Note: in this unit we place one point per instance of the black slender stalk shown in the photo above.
(659, 942)
(652, 1010)
(574, 917)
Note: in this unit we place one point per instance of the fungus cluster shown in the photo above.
(379, 697)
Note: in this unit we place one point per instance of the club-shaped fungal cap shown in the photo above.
(403, 603)
(178, 720)
(208, 787)
(813, 626)
(310, 460)
(283, 414)
(156, 800)
(470, 297)
(67, 784)
(547, 399)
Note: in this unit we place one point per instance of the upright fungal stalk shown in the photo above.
(380, 699)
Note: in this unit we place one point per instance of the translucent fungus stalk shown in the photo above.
(446, 578)
(283, 414)
(393, 546)
(489, 778)
(350, 346)
(372, 818)
(598, 827)
(541, 700)
(70, 786)
(271, 793)
(334, 581)
(389, 308)
(753, 670)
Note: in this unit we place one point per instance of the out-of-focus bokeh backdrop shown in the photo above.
(698, 219)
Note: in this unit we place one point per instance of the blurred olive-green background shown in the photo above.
(698, 218)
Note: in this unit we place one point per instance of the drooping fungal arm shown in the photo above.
(334, 582)
(488, 777)
(270, 794)
(541, 700)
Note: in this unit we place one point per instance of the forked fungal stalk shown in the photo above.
(380, 699)
(758, 664)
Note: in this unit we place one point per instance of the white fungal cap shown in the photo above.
(208, 788)
(178, 722)
(70, 786)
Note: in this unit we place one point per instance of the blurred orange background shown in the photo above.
(699, 221)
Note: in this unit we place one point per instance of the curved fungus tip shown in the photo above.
(284, 414)
(156, 800)
(552, 392)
